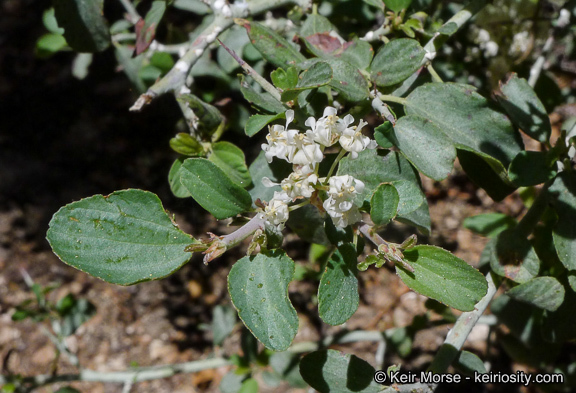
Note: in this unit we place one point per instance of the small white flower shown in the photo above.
(339, 204)
(276, 212)
(302, 150)
(353, 141)
(563, 18)
(324, 131)
(490, 48)
(277, 138)
(300, 183)
(483, 36)
(520, 43)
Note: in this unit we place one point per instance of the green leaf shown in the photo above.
(468, 120)
(223, 322)
(530, 168)
(231, 382)
(470, 363)
(195, 6)
(50, 22)
(524, 108)
(494, 181)
(318, 74)
(419, 218)
(274, 48)
(411, 196)
(249, 386)
(358, 53)
(258, 287)
(284, 79)
(146, 28)
(448, 28)
(347, 79)
(444, 277)
(263, 100)
(209, 117)
(276, 171)
(85, 29)
(384, 204)
(213, 189)
(336, 372)
(397, 5)
(489, 224)
(564, 202)
(256, 122)
(163, 61)
(543, 292)
(230, 158)
(314, 24)
(130, 65)
(49, 44)
(174, 180)
(81, 65)
(382, 133)
(338, 290)
(396, 61)
(285, 364)
(375, 3)
(425, 146)
(560, 325)
(512, 256)
(572, 280)
(124, 238)
(185, 144)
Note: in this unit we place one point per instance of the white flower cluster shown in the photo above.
(489, 47)
(305, 151)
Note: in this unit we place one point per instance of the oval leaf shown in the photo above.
(512, 256)
(467, 119)
(542, 292)
(489, 224)
(123, 238)
(319, 74)
(336, 372)
(85, 29)
(525, 108)
(396, 61)
(174, 180)
(263, 100)
(564, 191)
(213, 189)
(230, 158)
(209, 117)
(444, 277)
(258, 287)
(256, 122)
(530, 168)
(338, 291)
(384, 204)
(273, 47)
(425, 146)
(470, 363)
